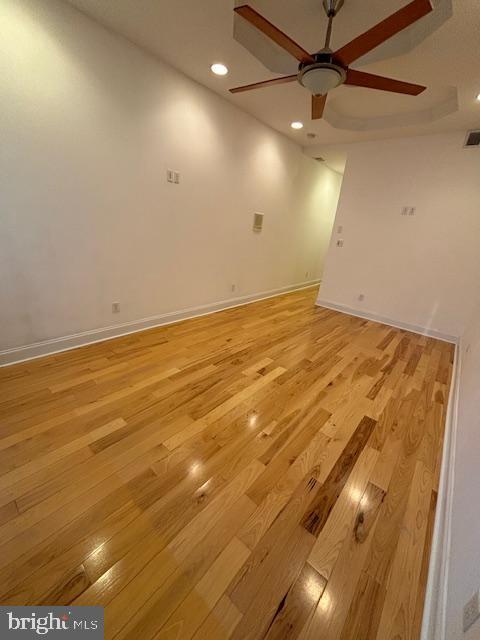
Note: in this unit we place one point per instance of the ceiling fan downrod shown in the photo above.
(332, 7)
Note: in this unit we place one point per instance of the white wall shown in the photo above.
(89, 125)
(420, 270)
(464, 569)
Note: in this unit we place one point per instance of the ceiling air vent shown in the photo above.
(473, 139)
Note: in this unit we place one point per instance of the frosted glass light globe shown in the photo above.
(321, 80)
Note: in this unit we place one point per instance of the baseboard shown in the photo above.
(435, 609)
(424, 331)
(65, 343)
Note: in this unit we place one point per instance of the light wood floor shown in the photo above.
(266, 472)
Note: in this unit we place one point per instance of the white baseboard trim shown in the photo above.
(435, 610)
(66, 343)
(366, 315)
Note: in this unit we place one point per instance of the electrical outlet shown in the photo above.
(340, 228)
(234, 286)
(115, 307)
(411, 211)
(339, 243)
(471, 612)
(306, 274)
(361, 297)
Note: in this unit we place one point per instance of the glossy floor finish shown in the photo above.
(265, 472)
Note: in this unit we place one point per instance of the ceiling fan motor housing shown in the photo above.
(321, 76)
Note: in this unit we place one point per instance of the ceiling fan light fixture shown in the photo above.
(320, 79)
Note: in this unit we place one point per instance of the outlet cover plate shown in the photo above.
(471, 612)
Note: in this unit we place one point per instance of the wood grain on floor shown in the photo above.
(270, 471)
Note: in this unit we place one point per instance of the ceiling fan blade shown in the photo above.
(383, 31)
(272, 32)
(318, 105)
(265, 83)
(371, 81)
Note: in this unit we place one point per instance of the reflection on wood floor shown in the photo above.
(265, 472)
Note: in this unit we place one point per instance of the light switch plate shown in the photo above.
(471, 612)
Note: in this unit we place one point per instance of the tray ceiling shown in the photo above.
(441, 51)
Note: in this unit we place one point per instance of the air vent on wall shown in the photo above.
(473, 139)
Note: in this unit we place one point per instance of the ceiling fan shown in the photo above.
(325, 70)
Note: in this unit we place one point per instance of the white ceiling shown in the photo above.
(444, 55)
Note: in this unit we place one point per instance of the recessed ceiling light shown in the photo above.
(219, 69)
(297, 125)
(478, 98)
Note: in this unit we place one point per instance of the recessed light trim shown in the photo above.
(219, 69)
(297, 125)
(477, 98)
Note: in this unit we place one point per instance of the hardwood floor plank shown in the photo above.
(269, 471)
(265, 558)
(333, 608)
(420, 602)
(323, 503)
(297, 604)
(341, 521)
(306, 465)
(159, 592)
(8, 511)
(221, 622)
(398, 613)
(17, 474)
(194, 610)
(368, 511)
(364, 614)
(120, 564)
(276, 585)
(303, 429)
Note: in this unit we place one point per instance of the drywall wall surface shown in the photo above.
(89, 126)
(464, 567)
(420, 269)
